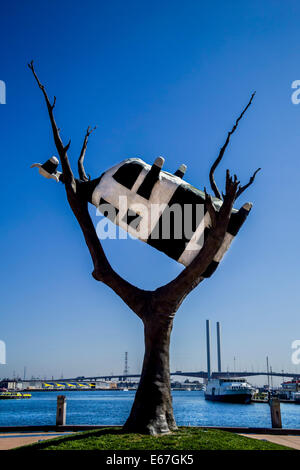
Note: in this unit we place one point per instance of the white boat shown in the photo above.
(230, 390)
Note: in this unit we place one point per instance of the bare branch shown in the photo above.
(210, 208)
(68, 177)
(81, 170)
(231, 184)
(66, 148)
(242, 188)
(222, 151)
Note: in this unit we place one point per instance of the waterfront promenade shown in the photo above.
(289, 441)
(12, 440)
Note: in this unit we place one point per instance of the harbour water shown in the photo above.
(113, 407)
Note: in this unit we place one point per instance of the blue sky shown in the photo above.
(157, 78)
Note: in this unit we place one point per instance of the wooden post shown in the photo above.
(275, 412)
(61, 410)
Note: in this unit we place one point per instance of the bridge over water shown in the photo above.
(200, 375)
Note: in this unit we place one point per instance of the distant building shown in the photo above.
(11, 384)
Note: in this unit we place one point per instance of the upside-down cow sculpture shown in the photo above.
(150, 194)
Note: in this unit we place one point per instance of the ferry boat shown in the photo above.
(230, 390)
(6, 395)
(290, 391)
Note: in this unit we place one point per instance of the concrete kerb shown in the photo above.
(81, 428)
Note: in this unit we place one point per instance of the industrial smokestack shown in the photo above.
(208, 348)
(219, 346)
(268, 373)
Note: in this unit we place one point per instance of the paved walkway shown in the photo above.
(289, 441)
(12, 440)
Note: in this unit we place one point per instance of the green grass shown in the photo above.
(185, 438)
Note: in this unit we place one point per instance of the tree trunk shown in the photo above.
(152, 410)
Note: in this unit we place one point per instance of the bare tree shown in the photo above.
(152, 410)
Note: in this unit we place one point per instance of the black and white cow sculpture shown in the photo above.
(157, 207)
